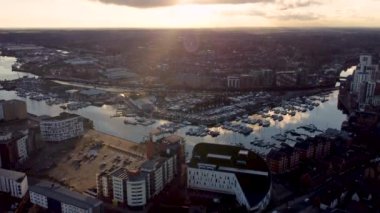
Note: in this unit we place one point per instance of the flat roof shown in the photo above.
(137, 177)
(64, 195)
(227, 156)
(13, 175)
(249, 168)
(222, 157)
(62, 116)
(153, 164)
(120, 173)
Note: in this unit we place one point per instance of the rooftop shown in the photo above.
(227, 156)
(90, 92)
(171, 139)
(120, 173)
(12, 101)
(140, 176)
(14, 175)
(153, 164)
(249, 168)
(64, 195)
(62, 116)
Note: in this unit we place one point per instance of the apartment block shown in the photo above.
(61, 128)
(13, 182)
(56, 198)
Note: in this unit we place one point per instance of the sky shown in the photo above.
(188, 13)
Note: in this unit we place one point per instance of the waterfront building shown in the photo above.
(266, 77)
(13, 148)
(230, 170)
(56, 198)
(376, 95)
(119, 178)
(104, 186)
(12, 110)
(288, 158)
(60, 128)
(283, 160)
(197, 81)
(286, 79)
(366, 96)
(365, 82)
(134, 188)
(277, 162)
(249, 81)
(172, 146)
(137, 189)
(17, 134)
(292, 155)
(363, 73)
(305, 149)
(13, 182)
(233, 82)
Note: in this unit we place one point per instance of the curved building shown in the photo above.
(231, 170)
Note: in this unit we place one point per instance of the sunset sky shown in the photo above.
(188, 13)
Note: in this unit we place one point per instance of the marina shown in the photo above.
(241, 129)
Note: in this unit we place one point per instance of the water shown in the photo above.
(324, 116)
(6, 69)
(348, 72)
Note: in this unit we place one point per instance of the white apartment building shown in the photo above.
(56, 198)
(13, 182)
(137, 193)
(364, 82)
(364, 72)
(38, 199)
(61, 128)
(119, 179)
(134, 189)
(230, 170)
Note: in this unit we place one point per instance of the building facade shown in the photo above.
(12, 110)
(63, 127)
(233, 171)
(14, 183)
(13, 148)
(364, 85)
(288, 158)
(134, 188)
(233, 82)
(286, 79)
(55, 198)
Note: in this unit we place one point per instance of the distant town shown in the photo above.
(189, 121)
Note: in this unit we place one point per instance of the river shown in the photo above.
(326, 115)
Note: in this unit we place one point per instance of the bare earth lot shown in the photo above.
(75, 163)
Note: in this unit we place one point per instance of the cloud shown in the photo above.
(274, 13)
(291, 4)
(282, 4)
(295, 17)
(140, 3)
(244, 12)
(164, 3)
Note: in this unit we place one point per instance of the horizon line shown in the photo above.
(184, 28)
